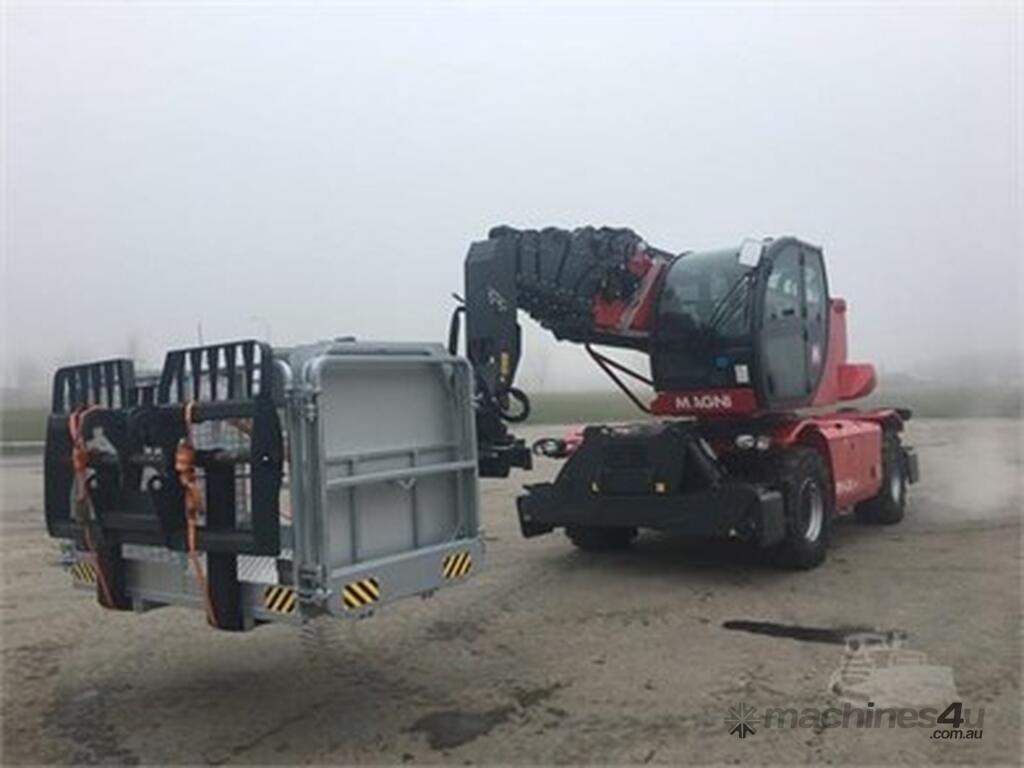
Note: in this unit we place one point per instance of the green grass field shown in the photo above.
(935, 401)
(22, 424)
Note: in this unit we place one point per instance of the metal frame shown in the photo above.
(319, 585)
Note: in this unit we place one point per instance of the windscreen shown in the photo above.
(707, 292)
(703, 331)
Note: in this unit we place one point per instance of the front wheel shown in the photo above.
(888, 506)
(807, 499)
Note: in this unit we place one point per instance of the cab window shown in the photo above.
(782, 294)
(814, 289)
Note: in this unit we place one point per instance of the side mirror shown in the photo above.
(750, 252)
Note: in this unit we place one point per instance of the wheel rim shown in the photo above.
(896, 486)
(812, 510)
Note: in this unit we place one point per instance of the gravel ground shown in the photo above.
(549, 654)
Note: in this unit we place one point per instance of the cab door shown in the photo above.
(815, 302)
(782, 344)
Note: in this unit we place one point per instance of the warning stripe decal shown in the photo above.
(83, 572)
(457, 564)
(280, 599)
(358, 594)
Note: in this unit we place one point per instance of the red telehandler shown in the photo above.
(748, 353)
(281, 484)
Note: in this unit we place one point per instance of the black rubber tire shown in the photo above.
(888, 506)
(806, 489)
(594, 538)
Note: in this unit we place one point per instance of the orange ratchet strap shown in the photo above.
(80, 463)
(185, 466)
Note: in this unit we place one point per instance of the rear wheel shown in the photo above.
(594, 538)
(888, 506)
(807, 499)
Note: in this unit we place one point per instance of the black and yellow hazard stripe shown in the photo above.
(457, 564)
(359, 594)
(83, 572)
(280, 599)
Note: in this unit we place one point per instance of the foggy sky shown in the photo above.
(320, 170)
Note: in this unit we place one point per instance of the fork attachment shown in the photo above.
(132, 426)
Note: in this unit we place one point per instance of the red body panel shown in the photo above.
(632, 317)
(573, 438)
(841, 380)
(850, 442)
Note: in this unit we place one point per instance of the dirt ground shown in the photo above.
(549, 655)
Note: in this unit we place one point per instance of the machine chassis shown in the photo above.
(718, 478)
